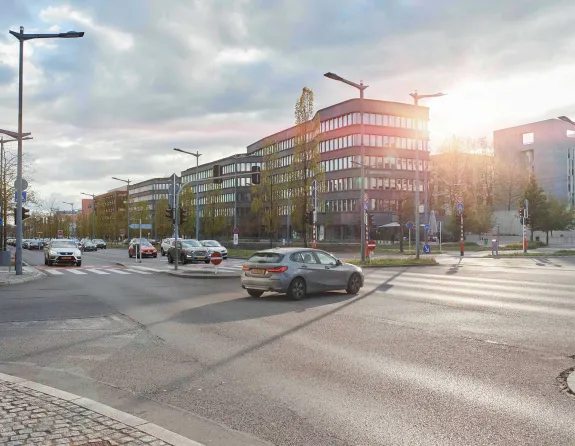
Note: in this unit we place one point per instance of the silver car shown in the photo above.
(215, 246)
(61, 251)
(298, 271)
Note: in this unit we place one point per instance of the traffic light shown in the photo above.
(170, 213)
(25, 214)
(371, 220)
(522, 212)
(256, 176)
(183, 216)
(528, 221)
(217, 172)
(309, 217)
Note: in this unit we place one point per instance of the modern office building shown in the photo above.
(545, 149)
(150, 191)
(394, 134)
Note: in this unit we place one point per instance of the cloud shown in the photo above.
(216, 76)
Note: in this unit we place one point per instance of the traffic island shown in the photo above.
(394, 262)
(8, 275)
(204, 274)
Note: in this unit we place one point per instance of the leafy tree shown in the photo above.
(510, 181)
(213, 219)
(559, 217)
(187, 203)
(267, 196)
(538, 206)
(162, 223)
(405, 213)
(306, 165)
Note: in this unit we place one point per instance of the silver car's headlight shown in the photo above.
(77, 253)
(53, 253)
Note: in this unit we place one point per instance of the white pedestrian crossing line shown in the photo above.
(53, 272)
(117, 271)
(129, 270)
(76, 271)
(97, 271)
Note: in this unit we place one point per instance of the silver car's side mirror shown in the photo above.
(338, 262)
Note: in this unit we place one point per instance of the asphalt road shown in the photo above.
(467, 353)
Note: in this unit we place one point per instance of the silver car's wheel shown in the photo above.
(354, 284)
(163, 252)
(296, 289)
(255, 293)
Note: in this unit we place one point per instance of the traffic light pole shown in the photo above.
(462, 240)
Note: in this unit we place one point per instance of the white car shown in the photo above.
(215, 246)
(62, 251)
(165, 246)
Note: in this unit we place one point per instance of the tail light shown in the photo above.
(279, 269)
(245, 268)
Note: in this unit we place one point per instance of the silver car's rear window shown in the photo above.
(266, 257)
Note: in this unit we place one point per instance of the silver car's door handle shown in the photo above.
(304, 266)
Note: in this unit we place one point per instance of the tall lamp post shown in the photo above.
(3, 185)
(73, 226)
(361, 87)
(416, 97)
(22, 38)
(197, 155)
(128, 203)
(93, 211)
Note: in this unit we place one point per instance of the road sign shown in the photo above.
(1, 222)
(426, 249)
(459, 207)
(371, 245)
(409, 225)
(460, 199)
(427, 227)
(60, 233)
(216, 258)
(24, 184)
(366, 205)
(122, 232)
(236, 239)
(23, 196)
(142, 226)
(236, 230)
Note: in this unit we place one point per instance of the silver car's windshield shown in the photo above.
(63, 244)
(210, 243)
(266, 257)
(192, 243)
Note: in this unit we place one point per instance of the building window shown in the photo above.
(570, 133)
(528, 138)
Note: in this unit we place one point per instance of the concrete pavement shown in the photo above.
(464, 353)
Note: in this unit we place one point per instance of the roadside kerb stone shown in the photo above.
(571, 381)
(32, 413)
(29, 274)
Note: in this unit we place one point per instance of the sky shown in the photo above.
(217, 75)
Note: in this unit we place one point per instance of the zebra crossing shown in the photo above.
(99, 271)
(553, 299)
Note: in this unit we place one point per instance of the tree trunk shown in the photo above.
(547, 238)
(401, 238)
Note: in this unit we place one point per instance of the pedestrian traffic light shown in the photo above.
(183, 216)
(217, 172)
(25, 214)
(309, 217)
(256, 176)
(371, 220)
(170, 213)
(522, 212)
(528, 221)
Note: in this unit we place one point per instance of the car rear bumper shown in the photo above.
(278, 284)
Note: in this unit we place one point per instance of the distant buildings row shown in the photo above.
(393, 132)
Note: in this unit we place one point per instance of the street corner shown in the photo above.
(29, 274)
(39, 413)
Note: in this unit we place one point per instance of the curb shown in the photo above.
(571, 382)
(395, 266)
(117, 415)
(37, 274)
(194, 275)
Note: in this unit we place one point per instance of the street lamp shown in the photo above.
(361, 87)
(128, 205)
(93, 210)
(197, 155)
(22, 38)
(416, 97)
(72, 219)
(4, 204)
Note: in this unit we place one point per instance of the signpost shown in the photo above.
(216, 259)
(460, 207)
(426, 248)
(122, 232)
(427, 228)
(409, 225)
(462, 239)
(60, 233)
(23, 196)
(371, 247)
(140, 226)
(236, 236)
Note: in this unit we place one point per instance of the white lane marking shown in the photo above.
(117, 271)
(96, 271)
(136, 271)
(149, 269)
(52, 271)
(75, 271)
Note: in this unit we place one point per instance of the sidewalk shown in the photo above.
(10, 278)
(32, 413)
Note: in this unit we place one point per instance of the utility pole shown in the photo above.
(524, 226)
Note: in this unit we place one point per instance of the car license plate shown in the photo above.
(66, 258)
(201, 257)
(258, 271)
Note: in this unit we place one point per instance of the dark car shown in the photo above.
(100, 244)
(88, 245)
(35, 244)
(188, 251)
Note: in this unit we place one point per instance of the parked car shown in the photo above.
(100, 244)
(146, 248)
(35, 244)
(25, 243)
(297, 272)
(215, 246)
(165, 245)
(88, 245)
(188, 251)
(62, 251)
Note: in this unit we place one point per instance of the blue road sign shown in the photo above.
(1, 222)
(426, 249)
(427, 227)
(459, 207)
(143, 225)
(366, 205)
(409, 225)
(23, 196)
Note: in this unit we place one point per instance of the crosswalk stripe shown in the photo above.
(53, 272)
(155, 270)
(75, 271)
(117, 271)
(96, 271)
(137, 271)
